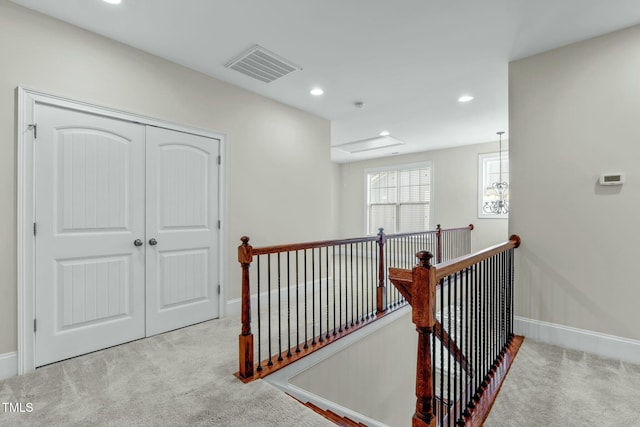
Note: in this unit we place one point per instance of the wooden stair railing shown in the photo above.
(482, 284)
(349, 277)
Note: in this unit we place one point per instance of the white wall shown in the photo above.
(575, 113)
(455, 192)
(381, 385)
(281, 182)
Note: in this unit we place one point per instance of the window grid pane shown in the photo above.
(382, 216)
(413, 217)
(489, 175)
(399, 201)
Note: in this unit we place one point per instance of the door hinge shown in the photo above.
(218, 289)
(219, 160)
(34, 228)
(219, 224)
(33, 127)
(34, 325)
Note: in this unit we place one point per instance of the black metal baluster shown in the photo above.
(340, 274)
(374, 278)
(356, 285)
(387, 263)
(259, 368)
(492, 313)
(373, 250)
(503, 307)
(471, 349)
(483, 335)
(434, 359)
(463, 346)
(351, 285)
(326, 257)
(313, 297)
(398, 263)
(453, 333)
(368, 277)
(333, 249)
(404, 252)
(279, 314)
(362, 281)
(297, 305)
(443, 246)
(511, 291)
(449, 346)
(320, 337)
(504, 300)
(496, 310)
(270, 362)
(288, 306)
(487, 337)
(442, 322)
(492, 310)
(478, 367)
(306, 299)
(487, 317)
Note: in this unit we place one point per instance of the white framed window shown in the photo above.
(490, 173)
(399, 198)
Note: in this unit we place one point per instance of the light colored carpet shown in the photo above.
(181, 378)
(552, 386)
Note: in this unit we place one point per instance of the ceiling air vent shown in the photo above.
(368, 144)
(262, 64)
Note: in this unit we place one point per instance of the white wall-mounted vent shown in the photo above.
(368, 144)
(261, 64)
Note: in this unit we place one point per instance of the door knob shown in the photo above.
(153, 242)
(137, 242)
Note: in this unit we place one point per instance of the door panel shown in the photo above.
(182, 206)
(183, 277)
(89, 191)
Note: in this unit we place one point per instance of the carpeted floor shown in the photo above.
(552, 386)
(181, 378)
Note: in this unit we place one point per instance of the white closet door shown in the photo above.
(89, 198)
(181, 229)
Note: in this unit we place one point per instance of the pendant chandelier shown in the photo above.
(497, 194)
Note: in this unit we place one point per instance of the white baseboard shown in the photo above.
(8, 365)
(604, 345)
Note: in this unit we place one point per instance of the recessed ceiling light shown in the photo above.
(316, 91)
(113, 1)
(385, 133)
(465, 98)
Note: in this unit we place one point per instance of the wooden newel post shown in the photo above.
(424, 316)
(245, 257)
(438, 244)
(381, 295)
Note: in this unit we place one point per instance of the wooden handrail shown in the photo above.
(324, 243)
(445, 269)
(417, 233)
(469, 227)
(450, 267)
(311, 245)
